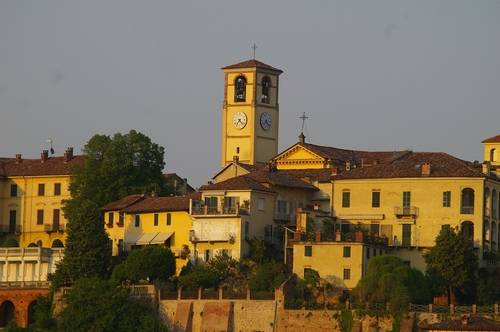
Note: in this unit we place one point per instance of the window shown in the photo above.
(374, 252)
(265, 90)
(13, 190)
(111, 219)
(368, 252)
(230, 204)
(261, 204)
(208, 255)
(39, 217)
(169, 219)
(445, 226)
(155, 222)
(120, 218)
(41, 189)
(306, 271)
(347, 274)
(406, 199)
(57, 189)
(308, 251)
(446, 198)
(137, 220)
(211, 203)
(12, 220)
(374, 229)
(290, 207)
(281, 206)
(407, 263)
(240, 89)
(406, 235)
(55, 219)
(375, 198)
(347, 251)
(346, 199)
(247, 227)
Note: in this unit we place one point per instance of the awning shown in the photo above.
(161, 237)
(132, 238)
(362, 216)
(146, 238)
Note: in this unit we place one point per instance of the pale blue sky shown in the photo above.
(370, 75)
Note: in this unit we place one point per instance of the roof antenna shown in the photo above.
(51, 148)
(254, 48)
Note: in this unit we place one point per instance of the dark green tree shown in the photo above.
(268, 276)
(388, 279)
(152, 263)
(87, 252)
(197, 276)
(451, 265)
(117, 167)
(224, 267)
(100, 305)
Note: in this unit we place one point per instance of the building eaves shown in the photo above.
(494, 139)
(161, 204)
(252, 63)
(474, 323)
(123, 203)
(34, 167)
(242, 183)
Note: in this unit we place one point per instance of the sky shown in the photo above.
(369, 75)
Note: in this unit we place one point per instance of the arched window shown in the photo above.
(494, 204)
(265, 90)
(57, 244)
(493, 155)
(467, 206)
(493, 236)
(240, 89)
(468, 230)
(487, 202)
(486, 235)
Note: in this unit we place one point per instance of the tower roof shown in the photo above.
(251, 64)
(494, 139)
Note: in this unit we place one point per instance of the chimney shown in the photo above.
(68, 155)
(153, 193)
(236, 159)
(486, 168)
(465, 320)
(18, 159)
(426, 169)
(302, 138)
(376, 161)
(335, 170)
(44, 156)
(348, 165)
(184, 186)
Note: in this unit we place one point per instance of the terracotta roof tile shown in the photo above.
(441, 165)
(251, 64)
(161, 204)
(123, 203)
(494, 139)
(243, 182)
(34, 167)
(280, 179)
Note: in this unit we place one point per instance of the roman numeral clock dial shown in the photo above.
(239, 120)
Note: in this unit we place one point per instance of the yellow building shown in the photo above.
(141, 220)
(250, 112)
(30, 198)
(31, 191)
(491, 150)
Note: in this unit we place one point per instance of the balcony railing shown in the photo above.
(224, 210)
(283, 216)
(49, 228)
(210, 236)
(406, 211)
(8, 229)
(467, 210)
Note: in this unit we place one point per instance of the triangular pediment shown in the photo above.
(299, 156)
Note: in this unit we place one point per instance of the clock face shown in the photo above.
(265, 121)
(240, 120)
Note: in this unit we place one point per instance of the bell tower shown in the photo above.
(250, 113)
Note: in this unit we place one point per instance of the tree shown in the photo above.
(268, 276)
(388, 279)
(117, 167)
(87, 253)
(100, 305)
(452, 264)
(152, 263)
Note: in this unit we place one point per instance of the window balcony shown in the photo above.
(467, 210)
(206, 210)
(284, 217)
(406, 211)
(50, 228)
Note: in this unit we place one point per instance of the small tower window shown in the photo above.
(265, 90)
(240, 89)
